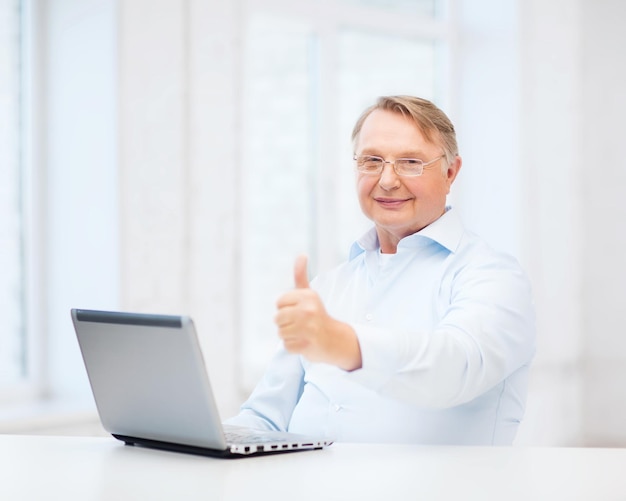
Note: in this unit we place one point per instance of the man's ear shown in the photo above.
(453, 170)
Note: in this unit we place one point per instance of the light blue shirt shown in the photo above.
(447, 334)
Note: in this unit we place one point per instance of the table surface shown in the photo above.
(85, 468)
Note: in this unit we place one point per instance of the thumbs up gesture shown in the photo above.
(306, 328)
(300, 276)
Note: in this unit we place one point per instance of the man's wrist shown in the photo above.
(346, 347)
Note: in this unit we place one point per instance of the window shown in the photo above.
(309, 69)
(13, 341)
(58, 241)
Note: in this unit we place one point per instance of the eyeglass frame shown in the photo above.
(393, 163)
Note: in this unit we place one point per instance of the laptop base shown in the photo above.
(198, 451)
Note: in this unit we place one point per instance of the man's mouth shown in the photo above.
(390, 203)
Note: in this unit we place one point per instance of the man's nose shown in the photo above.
(389, 180)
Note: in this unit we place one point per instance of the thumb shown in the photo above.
(300, 275)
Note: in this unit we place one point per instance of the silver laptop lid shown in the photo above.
(148, 377)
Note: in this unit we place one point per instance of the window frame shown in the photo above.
(326, 20)
(30, 386)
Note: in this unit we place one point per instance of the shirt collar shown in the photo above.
(446, 231)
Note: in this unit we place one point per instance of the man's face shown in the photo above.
(400, 206)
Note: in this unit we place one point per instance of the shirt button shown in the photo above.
(336, 407)
(369, 317)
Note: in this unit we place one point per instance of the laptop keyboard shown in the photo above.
(235, 437)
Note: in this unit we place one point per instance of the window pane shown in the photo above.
(277, 186)
(12, 367)
(372, 66)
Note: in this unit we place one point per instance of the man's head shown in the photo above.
(396, 196)
(433, 123)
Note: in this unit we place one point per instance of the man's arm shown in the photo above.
(273, 400)
(487, 333)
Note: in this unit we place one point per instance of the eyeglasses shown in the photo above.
(407, 167)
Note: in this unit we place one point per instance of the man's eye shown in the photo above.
(369, 162)
(410, 162)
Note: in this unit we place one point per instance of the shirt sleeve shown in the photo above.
(485, 333)
(273, 400)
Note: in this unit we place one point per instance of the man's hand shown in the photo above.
(306, 328)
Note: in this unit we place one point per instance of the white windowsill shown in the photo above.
(50, 417)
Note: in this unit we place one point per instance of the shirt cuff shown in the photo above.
(380, 356)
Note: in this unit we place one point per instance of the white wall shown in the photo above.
(550, 128)
(600, 230)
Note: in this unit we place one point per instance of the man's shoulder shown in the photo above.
(476, 257)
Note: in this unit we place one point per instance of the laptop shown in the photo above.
(151, 388)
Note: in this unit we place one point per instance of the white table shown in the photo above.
(79, 468)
